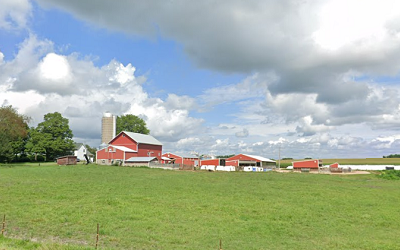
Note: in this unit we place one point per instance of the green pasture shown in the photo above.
(58, 207)
(365, 161)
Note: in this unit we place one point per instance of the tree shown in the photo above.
(52, 137)
(90, 149)
(13, 131)
(131, 123)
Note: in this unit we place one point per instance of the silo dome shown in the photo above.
(107, 114)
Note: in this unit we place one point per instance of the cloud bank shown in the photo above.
(316, 73)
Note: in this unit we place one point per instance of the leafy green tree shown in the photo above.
(52, 137)
(13, 131)
(131, 123)
(36, 144)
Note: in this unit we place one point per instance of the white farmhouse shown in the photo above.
(80, 151)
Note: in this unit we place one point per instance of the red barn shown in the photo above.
(177, 159)
(249, 160)
(126, 145)
(311, 164)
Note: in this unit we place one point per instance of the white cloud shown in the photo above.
(243, 133)
(180, 102)
(360, 22)
(14, 14)
(38, 81)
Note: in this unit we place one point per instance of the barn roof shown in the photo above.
(140, 159)
(141, 138)
(260, 158)
(183, 156)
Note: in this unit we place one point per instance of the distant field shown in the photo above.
(366, 161)
(139, 208)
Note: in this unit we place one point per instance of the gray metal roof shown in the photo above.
(140, 159)
(141, 138)
(260, 158)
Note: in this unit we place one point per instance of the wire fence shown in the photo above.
(96, 243)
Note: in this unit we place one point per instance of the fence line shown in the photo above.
(97, 234)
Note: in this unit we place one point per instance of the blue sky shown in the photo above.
(318, 79)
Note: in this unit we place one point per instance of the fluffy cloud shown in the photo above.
(14, 14)
(38, 81)
(243, 133)
(311, 77)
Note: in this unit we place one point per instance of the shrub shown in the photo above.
(390, 175)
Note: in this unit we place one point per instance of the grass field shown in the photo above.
(58, 207)
(365, 161)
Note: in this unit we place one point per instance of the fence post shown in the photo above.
(97, 236)
(220, 244)
(4, 225)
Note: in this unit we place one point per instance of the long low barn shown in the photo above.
(311, 164)
(241, 160)
(250, 160)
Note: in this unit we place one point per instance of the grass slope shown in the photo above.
(140, 208)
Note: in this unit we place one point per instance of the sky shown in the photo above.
(304, 78)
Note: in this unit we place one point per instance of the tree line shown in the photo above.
(392, 156)
(49, 139)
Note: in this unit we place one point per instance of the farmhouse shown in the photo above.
(126, 145)
(177, 159)
(80, 151)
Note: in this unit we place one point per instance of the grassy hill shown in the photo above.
(58, 207)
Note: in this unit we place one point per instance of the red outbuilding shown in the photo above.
(249, 160)
(177, 159)
(334, 165)
(126, 145)
(311, 164)
(67, 160)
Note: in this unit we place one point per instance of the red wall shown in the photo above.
(123, 140)
(189, 161)
(145, 148)
(306, 164)
(231, 163)
(102, 154)
(334, 165)
(130, 154)
(214, 162)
